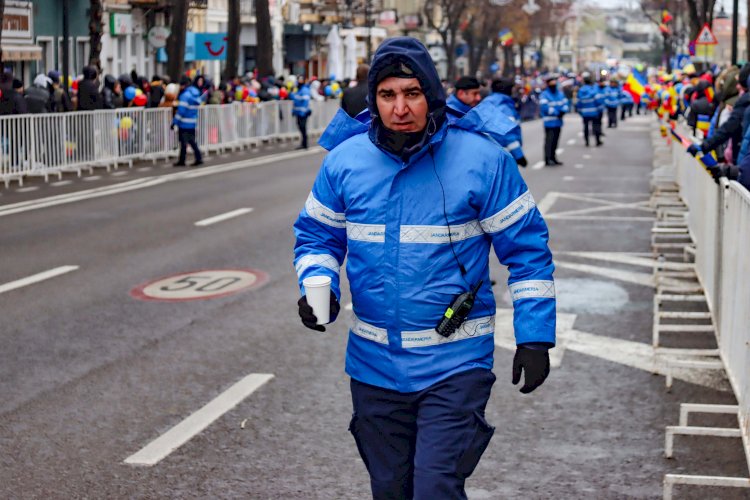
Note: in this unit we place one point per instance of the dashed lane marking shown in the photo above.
(538, 165)
(92, 178)
(568, 178)
(27, 189)
(144, 169)
(571, 142)
(586, 157)
(120, 173)
(578, 165)
(223, 217)
(61, 183)
(559, 151)
(36, 278)
(145, 182)
(183, 432)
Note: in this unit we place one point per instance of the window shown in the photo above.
(82, 53)
(71, 55)
(47, 62)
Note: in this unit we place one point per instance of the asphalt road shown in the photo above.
(90, 374)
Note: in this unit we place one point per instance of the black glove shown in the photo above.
(309, 319)
(694, 149)
(522, 161)
(535, 362)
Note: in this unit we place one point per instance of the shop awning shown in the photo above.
(21, 52)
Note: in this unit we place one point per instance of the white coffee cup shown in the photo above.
(318, 293)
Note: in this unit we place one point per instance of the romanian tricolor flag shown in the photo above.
(666, 16)
(703, 123)
(635, 84)
(710, 94)
(506, 37)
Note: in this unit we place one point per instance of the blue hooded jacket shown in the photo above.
(590, 101)
(612, 97)
(189, 102)
(397, 223)
(497, 103)
(301, 101)
(552, 106)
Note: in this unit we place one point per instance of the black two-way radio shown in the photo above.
(457, 312)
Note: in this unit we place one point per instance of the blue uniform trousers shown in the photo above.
(422, 445)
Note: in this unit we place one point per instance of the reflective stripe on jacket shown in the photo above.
(187, 108)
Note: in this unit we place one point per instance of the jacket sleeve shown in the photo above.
(565, 108)
(320, 232)
(544, 107)
(519, 236)
(725, 132)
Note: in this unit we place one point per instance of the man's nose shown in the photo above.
(401, 107)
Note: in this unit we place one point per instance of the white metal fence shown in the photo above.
(53, 143)
(719, 222)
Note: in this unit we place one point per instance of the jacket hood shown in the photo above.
(110, 81)
(414, 55)
(89, 73)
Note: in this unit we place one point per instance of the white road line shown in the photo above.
(571, 142)
(559, 151)
(586, 157)
(223, 217)
(27, 189)
(61, 183)
(349, 307)
(183, 432)
(578, 165)
(568, 178)
(30, 280)
(92, 178)
(547, 202)
(144, 169)
(145, 182)
(538, 165)
(120, 173)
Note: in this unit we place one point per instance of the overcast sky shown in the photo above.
(636, 4)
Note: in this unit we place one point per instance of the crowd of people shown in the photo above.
(88, 92)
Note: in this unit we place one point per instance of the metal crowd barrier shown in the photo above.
(719, 223)
(53, 143)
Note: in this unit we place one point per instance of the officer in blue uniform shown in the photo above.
(466, 95)
(500, 101)
(301, 110)
(552, 106)
(415, 216)
(612, 99)
(589, 102)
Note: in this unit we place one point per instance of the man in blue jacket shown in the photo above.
(301, 109)
(186, 118)
(612, 102)
(466, 94)
(552, 106)
(501, 102)
(415, 217)
(589, 104)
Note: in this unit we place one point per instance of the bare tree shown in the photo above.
(2, 20)
(265, 38)
(480, 33)
(96, 11)
(233, 40)
(446, 17)
(176, 40)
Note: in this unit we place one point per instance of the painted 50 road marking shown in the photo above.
(198, 285)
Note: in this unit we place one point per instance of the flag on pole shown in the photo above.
(666, 16)
(506, 37)
(703, 123)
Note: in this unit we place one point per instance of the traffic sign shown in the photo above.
(198, 285)
(706, 36)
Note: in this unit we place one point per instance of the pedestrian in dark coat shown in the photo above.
(355, 98)
(111, 93)
(59, 99)
(10, 101)
(37, 96)
(89, 98)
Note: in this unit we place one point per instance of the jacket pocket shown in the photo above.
(477, 445)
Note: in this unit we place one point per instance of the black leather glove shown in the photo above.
(535, 362)
(309, 319)
(694, 149)
(522, 161)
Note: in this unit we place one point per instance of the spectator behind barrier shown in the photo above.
(37, 96)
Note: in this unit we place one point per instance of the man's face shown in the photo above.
(401, 104)
(470, 97)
